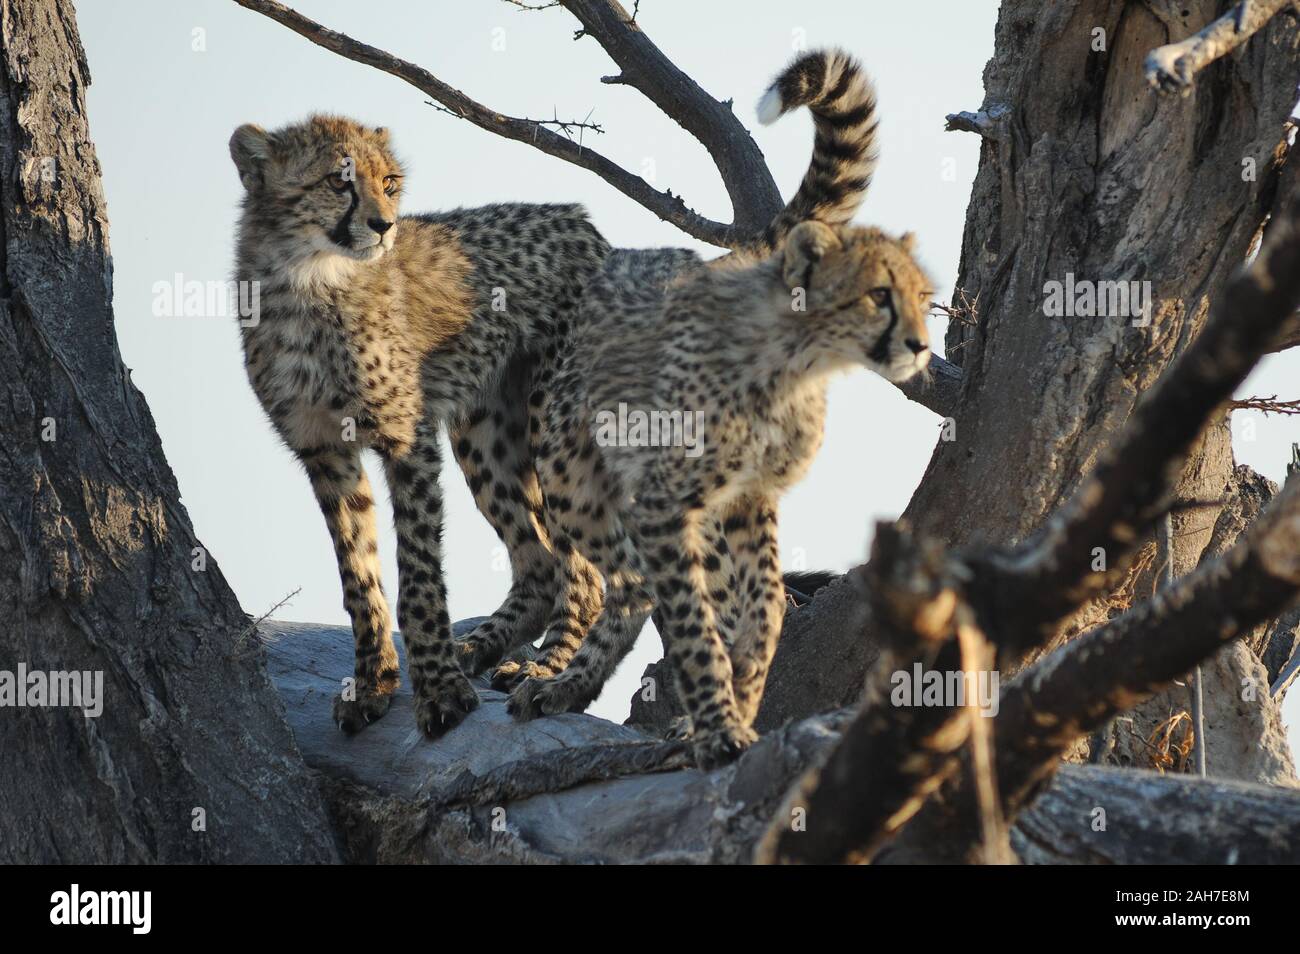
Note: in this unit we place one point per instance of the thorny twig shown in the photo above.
(1267, 405)
(253, 626)
(965, 312)
(565, 126)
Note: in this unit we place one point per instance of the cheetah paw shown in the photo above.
(477, 653)
(679, 728)
(511, 673)
(353, 715)
(444, 705)
(717, 747)
(537, 697)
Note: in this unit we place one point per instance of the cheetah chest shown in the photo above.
(769, 447)
(324, 386)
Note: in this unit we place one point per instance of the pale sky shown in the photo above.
(172, 80)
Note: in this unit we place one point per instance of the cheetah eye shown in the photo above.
(336, 181)
(880, 296)
(392, 184)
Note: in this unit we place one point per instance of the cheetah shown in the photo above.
(743, 345)
(376, 330)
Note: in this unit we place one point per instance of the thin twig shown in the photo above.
(253, 627)
(528, 6)
(1267, 405)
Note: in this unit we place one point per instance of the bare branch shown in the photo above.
(1289, 336)
(667, 206)
(533, 7)
(1267, 405)
(643, 66)
(939, 388)
(985, 122)
(1172, 68)
(1109, 670)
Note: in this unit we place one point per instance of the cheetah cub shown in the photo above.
(732, 360)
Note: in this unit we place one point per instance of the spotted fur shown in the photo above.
(748, 341)
(376, 330)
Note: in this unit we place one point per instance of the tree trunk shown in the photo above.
(100, 571)
(1088, 173)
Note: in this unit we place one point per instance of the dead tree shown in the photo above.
(1086, 170)
(100, 570)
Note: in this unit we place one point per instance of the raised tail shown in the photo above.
(835, 88)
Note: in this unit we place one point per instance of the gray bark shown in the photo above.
(96, 549)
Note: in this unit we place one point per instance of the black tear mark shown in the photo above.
(342, 232)
(880, 350)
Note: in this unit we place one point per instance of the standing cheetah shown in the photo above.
(376, 330)
(743, 346)
(747, 344)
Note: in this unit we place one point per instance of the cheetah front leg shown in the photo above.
(724, 596)
(577, 607)
(627, 605)
(751, 528)
(443, 694)
(674, 549)
(343, 493)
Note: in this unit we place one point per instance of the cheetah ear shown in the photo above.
(805, 246)
(250, 148)
(381, 133)
(908, 241)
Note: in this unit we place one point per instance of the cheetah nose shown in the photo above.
(915, 345)
(379, 225)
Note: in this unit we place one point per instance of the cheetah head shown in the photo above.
(865, 296)
(326, 186)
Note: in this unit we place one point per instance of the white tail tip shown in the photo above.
(770, 106)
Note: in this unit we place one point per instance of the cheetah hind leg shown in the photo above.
(492, 450)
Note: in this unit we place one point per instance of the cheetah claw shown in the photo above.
(718, 747)
(443, 707)
(353, 715)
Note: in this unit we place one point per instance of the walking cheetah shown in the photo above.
(743, 346)
(374, 331)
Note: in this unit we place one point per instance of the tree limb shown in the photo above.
(1082, 685)
(755, 199)
(939, 388)
(667, 206)
(1172, 68)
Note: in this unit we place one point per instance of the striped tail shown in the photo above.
(833, 85)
